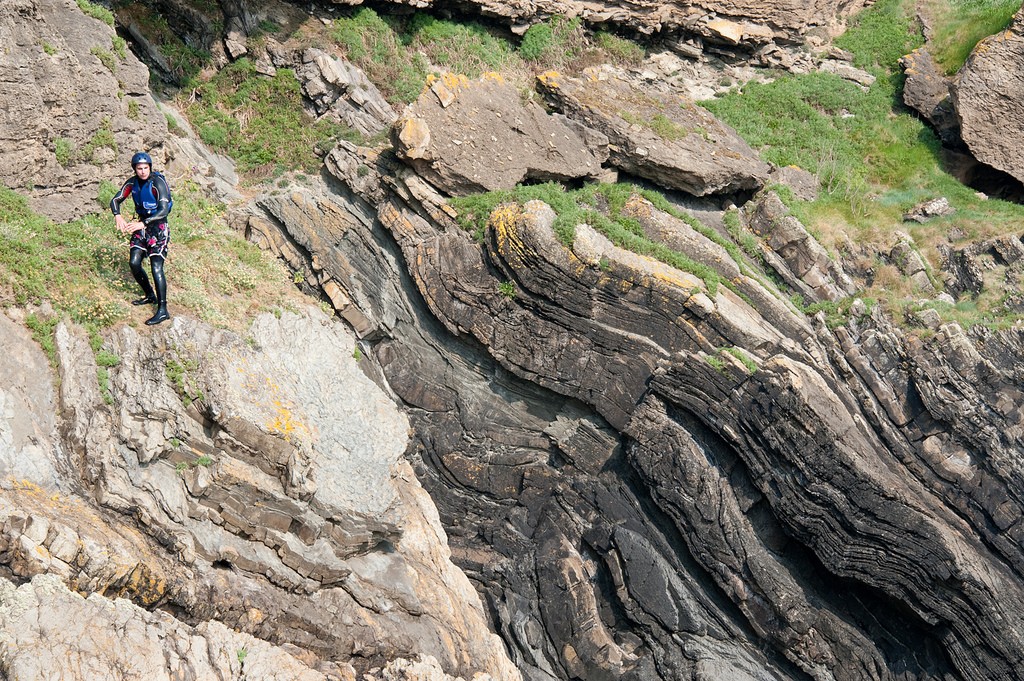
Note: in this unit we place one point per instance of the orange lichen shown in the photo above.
(549, 78)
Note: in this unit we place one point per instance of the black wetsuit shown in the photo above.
(152, 200)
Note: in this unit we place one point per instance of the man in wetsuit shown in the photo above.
(150, 234)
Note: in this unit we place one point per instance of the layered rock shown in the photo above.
(927, 91)
(76, 106)
(661, 137)
(746, 22)
(467, 137)
(816, 481)
(988, 95)
(241, 488)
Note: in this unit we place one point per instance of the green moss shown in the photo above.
(260, 121)
(623, 52)
(96, 12)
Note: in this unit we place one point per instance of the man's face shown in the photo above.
(142, 171)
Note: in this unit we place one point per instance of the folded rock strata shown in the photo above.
(577, 433)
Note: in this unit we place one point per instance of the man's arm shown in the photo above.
(115, 203)
(123, 193)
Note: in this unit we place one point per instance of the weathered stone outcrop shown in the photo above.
(661, 137)
(730, 22)
(338, 90)
(467, 137)
(927, 91)
(988, 96)
(234, 483)
(817, 481)
(75, 106)
(794, 254)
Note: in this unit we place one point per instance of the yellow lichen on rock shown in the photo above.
(549, 79)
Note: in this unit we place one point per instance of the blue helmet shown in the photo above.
(142, 157)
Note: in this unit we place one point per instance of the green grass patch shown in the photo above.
(259, 121)
(554, 43)
(42, 332)
(961, 24)
(81, 267)
(398, 53)
(96, 12)
(621, 51)
(743, 357)
(881, 34)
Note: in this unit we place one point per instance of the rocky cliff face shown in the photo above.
(519, 456)
(76, 104)
(650, 479)
(987, 98)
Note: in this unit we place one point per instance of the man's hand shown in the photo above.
(135, 226)
(120, 222)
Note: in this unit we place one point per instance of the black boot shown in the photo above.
(157, 263)
(135, 263)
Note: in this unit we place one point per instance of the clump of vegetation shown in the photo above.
(260, 121)
(743, 357)
(96, 12)
(555, 42)
(398, 53)
(42, 332)
(874, 158)
(105, 57)
(180, 376)
(184, 60)
(104, 362)
(507, 289)
(621, 51)
(961, 24)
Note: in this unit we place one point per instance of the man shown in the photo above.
(150, 234)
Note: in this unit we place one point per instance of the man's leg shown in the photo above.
(156, 262)
(135, 263)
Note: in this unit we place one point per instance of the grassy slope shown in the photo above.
(875, 159)
(81, 269)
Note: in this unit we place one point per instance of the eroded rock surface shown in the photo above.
(989, 99)
(664, 138)
(76, 106)
(236, 482)
(582, 413)
(927, 91)
(468, 137)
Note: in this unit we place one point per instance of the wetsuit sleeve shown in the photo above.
(163, 201)
(123, 193)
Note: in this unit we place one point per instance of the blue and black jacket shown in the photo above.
(152, 198)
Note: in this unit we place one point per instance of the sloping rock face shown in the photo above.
(74, 106)
(729, 22)
(989, 99)
(233, 482)
(927, 91)
(661, 137)
(648, 478)
(468, 137)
